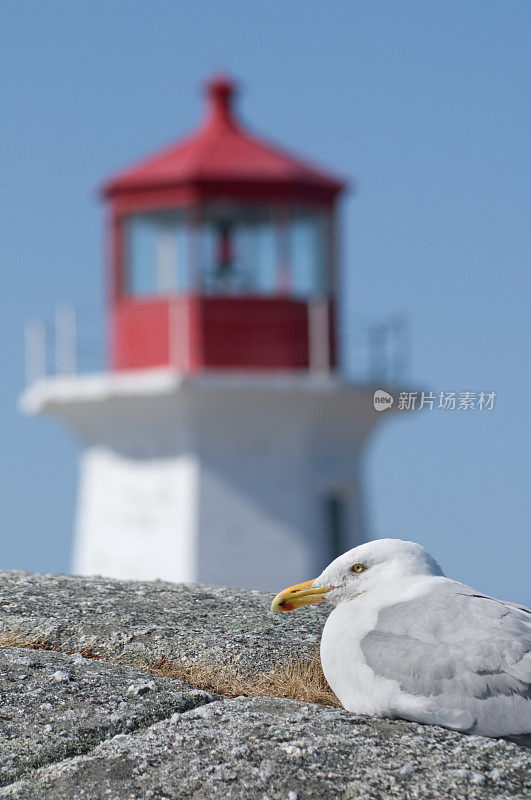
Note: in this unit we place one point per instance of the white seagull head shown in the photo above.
(376, 567)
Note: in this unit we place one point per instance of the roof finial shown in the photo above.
(221, 90)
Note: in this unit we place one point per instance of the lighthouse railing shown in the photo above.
(319, 335)
(65, 340)
(54, 347)
(375, 348)
(35, 350)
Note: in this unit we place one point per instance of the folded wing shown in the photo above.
(467, 655)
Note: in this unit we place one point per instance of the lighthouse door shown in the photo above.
(335, 524)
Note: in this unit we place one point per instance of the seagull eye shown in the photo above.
(357, 568)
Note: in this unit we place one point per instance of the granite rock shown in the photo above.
(151, 619)
(266, 749)
(53, 705)
(73, 727)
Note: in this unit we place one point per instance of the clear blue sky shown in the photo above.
(426, 104)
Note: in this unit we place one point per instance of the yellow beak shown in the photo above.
(302, 594)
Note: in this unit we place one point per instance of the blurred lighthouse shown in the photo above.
(221, 445)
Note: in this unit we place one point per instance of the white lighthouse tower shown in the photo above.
(221, 445)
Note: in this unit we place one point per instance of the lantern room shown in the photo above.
(222, 253)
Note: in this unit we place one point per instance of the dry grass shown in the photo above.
(296, 679)
(17, 640)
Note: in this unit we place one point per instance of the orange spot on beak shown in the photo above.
(302, 594)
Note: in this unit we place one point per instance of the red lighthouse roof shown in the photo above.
(222, 153)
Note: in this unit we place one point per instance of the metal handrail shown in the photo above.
(378, 348)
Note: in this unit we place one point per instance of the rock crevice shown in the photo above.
(55, 706)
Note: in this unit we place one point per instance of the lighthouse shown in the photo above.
(221, 443)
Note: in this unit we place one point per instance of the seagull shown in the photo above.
(404, 641)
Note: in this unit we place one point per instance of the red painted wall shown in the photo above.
(255, 333)
(140, 335)
(212, 333)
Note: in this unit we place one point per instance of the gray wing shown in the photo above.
(461, 650)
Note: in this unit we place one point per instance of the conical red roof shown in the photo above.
(221, 151)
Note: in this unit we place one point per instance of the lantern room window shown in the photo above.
(309, 252)
(156, 253)
(239, 250)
